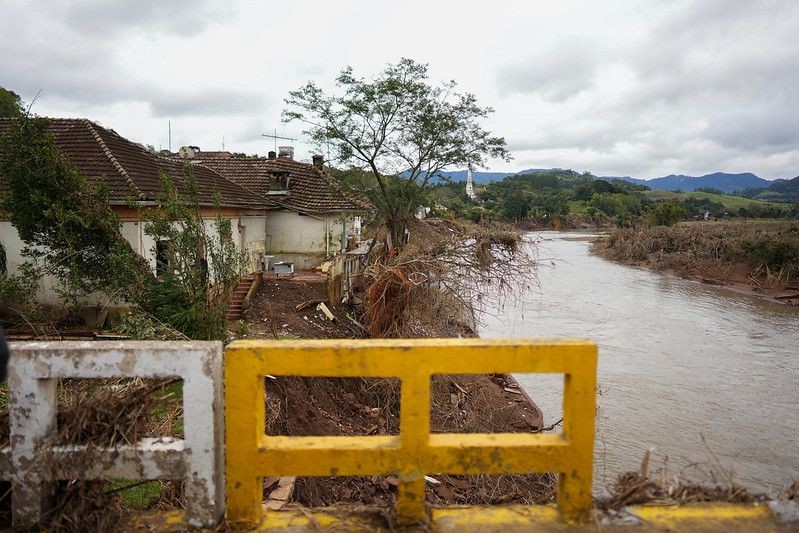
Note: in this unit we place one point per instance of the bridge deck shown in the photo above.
(648, 518)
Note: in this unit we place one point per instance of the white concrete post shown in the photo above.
(203, 423)
(198, 459)
(32, 412)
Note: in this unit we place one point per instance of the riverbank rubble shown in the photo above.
(758, 258)
(361, 406)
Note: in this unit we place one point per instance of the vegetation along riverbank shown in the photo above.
(757, 257)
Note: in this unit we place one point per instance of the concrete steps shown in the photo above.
(235, 307)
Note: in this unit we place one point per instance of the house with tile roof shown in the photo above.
(132, 176)
(315, 216)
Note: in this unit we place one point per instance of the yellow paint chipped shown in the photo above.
(669, 514)
(479, 516)
(251, 455)
(512, 518)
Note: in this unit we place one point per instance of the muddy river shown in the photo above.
(706, 377)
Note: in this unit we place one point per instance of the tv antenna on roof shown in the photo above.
(275, 137)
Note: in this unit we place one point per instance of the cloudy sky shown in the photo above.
(618, 87)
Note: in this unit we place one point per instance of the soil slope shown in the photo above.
(361, 406)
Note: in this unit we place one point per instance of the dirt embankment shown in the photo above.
(760, 258)
(361, 406)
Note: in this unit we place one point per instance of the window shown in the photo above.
(280, 180)
(163, 258)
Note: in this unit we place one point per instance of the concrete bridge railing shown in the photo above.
(225, 436)
(31, 461)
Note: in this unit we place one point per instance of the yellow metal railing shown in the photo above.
(251, 454)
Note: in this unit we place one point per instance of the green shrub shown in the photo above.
(665, 214)
(774, 255)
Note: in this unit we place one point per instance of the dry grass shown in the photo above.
(106, 413)
(764, 253)
(631, 488)
(634, 488)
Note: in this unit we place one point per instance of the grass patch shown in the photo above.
(730, 202)
(136, 494)
(168, 408)
(734, 202)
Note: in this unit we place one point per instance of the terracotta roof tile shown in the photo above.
(310, 189)
(131, 172)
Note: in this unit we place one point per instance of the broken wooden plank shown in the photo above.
(358, 324)
(281, 494)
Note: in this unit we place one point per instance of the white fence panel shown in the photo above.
(198, 459)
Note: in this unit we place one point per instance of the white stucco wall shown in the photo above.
(13, 246)
(290, 232)
(143, 244)
(304, 239)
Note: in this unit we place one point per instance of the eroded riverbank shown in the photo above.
(758, 258)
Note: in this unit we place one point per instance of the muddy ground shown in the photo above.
(361, 406)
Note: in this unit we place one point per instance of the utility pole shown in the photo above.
(170, 135)
(275, 137)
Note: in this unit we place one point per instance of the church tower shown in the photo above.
(470, 183)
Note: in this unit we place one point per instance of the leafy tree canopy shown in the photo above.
(396, 123)
(63, 218)
(10, 103)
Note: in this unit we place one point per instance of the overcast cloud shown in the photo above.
(619, 87)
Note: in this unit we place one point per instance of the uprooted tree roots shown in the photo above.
(439, 276)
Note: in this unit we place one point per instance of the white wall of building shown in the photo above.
(248, 232)
(307, 240)
(252, 235)
(13, 246)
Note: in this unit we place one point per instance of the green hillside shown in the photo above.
(731, 203)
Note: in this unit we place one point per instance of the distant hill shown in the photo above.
(477, 176)
(782, 190)
(722, 181)
(487, 177)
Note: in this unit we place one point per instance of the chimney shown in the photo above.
(319, 161)
(187, 152)
(285, 152)
(272, 155)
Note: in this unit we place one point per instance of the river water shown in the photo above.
(707, 377)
